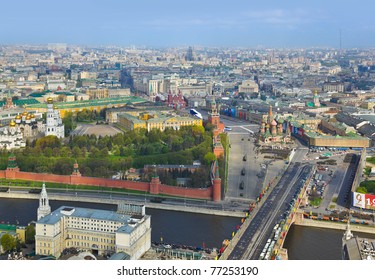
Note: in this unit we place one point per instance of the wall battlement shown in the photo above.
(153, 187)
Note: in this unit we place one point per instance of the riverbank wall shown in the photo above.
(334, 225)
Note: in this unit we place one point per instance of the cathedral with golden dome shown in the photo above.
(29, 126)
(19, 126)
(274, 129)
(11, 137)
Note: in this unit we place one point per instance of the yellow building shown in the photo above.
(112, 113)
(130, 122)
(151, 121)
(21, 234)
(353, 141)
(172, 122)
(368, 104)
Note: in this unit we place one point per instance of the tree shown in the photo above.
(68, 123)
(30, 234)
(115, 150)
(84, 151)
(154, 135)
(209, 158)
(48, 151)
(95, 153)
(56, 152)
(118, 139)
(8, 242)
(76, 152)
(197, 131)
(85, 171)
(104, 152)
(65, 151)
(199, 178)
(48, 141)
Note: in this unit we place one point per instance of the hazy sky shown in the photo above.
(247, 23)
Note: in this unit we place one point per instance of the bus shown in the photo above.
(195, 113)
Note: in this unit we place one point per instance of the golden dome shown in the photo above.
(28, 117)
(49, 100)
(55, 107)
(32, 116)
(18, 117)
(24, 114)
(12, 123)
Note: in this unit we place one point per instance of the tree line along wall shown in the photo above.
(153, 187)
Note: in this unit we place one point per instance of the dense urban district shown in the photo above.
(274, 137)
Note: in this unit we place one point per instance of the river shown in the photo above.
(303, 243)
(310, 243)
(172, 226)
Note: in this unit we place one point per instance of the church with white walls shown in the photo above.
(11, 137)
(54, 125)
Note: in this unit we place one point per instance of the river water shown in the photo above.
(171, 226)
(308, 243)
(303, 243)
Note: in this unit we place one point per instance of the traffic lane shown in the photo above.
(239, 148)
(235, 166)
(261, 214)
(334, 186)
(252, 167)
(284, 207)
(278, 195)
(343, 198)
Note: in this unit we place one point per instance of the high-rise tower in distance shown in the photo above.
(189, 54)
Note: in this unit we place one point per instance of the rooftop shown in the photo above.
(93, 103)
(349, 136)
(22, 102)
(87, 213)
(6, 227)
(360, 249)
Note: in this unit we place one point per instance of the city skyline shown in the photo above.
(208, 23)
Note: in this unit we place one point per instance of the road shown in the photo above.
(271, 212)
(242, 145)
(334, 186)
(343, 198)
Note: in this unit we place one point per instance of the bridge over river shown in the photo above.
(255, 234)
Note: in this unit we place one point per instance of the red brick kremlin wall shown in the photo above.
(154, 187)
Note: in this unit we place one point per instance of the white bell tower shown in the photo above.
(44, 209)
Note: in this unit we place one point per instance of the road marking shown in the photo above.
(247, 129)
(254, 125)
(84, 131)
(238, 133)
